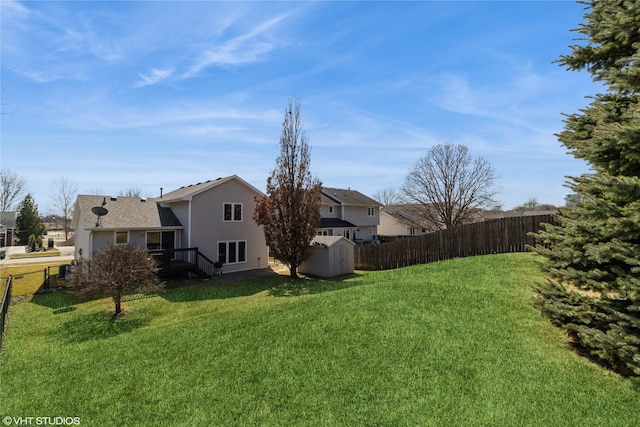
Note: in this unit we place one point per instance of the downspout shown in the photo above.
(189, 225)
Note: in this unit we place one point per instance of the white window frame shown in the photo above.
(233, 206)
(238, 254)
(371, 211)
(331, 209)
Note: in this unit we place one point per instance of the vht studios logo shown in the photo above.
(41, 421)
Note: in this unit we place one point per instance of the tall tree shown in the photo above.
(388, 196)
(30, 228)
(592, 254)
(131, 192)
(450, 185)
(290, 212)
(63, 196)
(12, 187)
(116, 270)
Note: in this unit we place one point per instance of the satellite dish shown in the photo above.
(99, 210)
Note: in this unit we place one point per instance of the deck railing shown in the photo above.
(167, 259)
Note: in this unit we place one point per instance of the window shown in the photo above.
(232, 252)
(153, 240)
(330, 209)
(160, 240)
(232, 212)
(122, 237)
(371, 211)
(412, 231)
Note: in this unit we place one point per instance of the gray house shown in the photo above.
(350, 214)
(7, 228)
(211, 219)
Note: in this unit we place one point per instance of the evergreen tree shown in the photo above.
(290, 213)
(29, 224)
(593, 252)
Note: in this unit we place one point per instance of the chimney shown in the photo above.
(161, 192)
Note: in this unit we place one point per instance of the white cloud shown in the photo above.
(246, 48)
(153, 77)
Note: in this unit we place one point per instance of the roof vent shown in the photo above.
(113, 199)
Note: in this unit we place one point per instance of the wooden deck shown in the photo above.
(179, 261)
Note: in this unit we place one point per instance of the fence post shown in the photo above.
(4, 307)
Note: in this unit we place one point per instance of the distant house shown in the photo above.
(7, 228)
(401, 221)
(350, 214)
(329, 256)
(213, 216)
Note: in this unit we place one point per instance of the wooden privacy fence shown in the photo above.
(480, 238)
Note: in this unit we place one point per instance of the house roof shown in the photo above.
(188, 191)
(335, 223)
(123, 213)
(407, 214)
(346, 197)
(327, 241)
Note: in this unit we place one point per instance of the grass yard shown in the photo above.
(27, 278)
(454, 343)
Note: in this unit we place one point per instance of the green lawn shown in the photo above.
(451, 343)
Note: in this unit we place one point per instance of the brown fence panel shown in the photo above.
(488, 237)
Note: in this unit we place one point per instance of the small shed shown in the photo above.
(329, 256)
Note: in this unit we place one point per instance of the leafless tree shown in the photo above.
(131, 192)
(290, 212)
(12, 189)
(63, 196)
(533, 205)
(115, 271)
(449, 185)
(388, 196)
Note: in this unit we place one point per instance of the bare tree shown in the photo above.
(131, 192)
(115, 271)
(63, 195)
(388, 196)
(12, 187)
(533, 205)
(290, 213)
(450, 185)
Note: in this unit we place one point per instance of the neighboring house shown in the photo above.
(329, 256)
(349, 213)
(400, 221)
(214, 216)
(7, 228)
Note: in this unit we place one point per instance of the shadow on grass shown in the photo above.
(100, 325)
(235, 285)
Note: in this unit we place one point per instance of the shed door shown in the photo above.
(341, 260)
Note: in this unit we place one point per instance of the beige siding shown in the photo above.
(83, 243)
(389, 226)
(102, 239)
(181, 211)
(207, 209)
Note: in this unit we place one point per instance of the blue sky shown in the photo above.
(142, 94)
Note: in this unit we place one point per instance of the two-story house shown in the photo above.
(402, 221)
(349, 213)
(213, 216)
